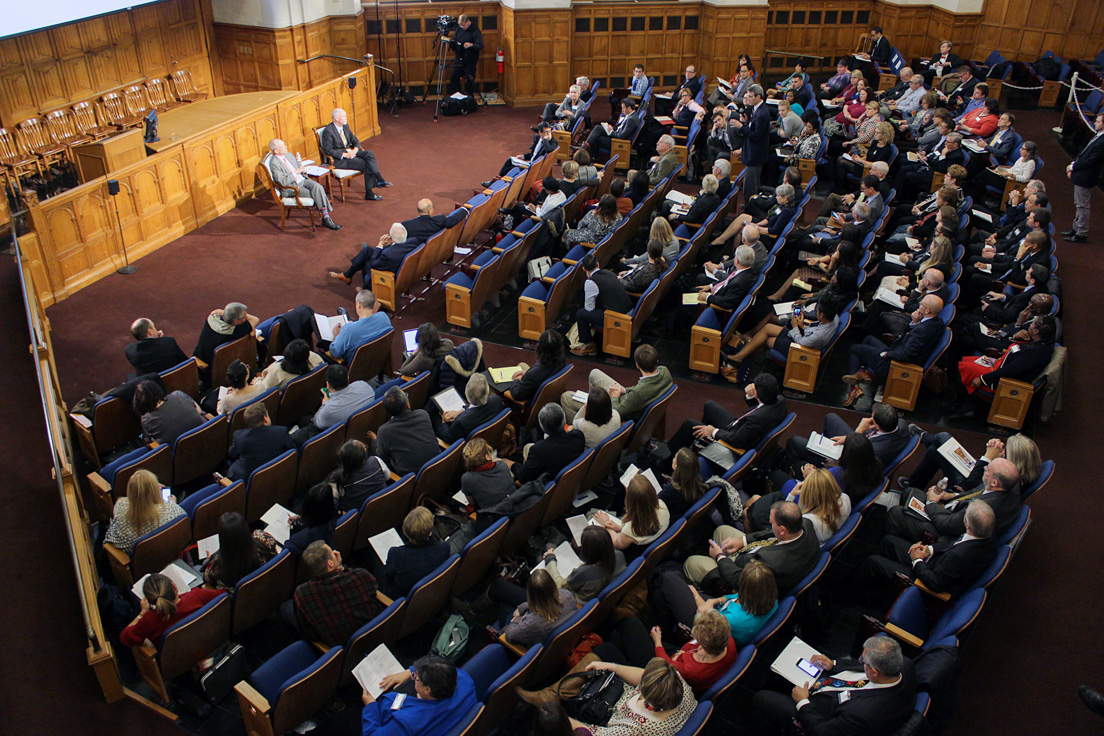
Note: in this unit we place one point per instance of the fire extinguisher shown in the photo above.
(500, 57)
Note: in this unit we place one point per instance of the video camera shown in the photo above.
(446, 24)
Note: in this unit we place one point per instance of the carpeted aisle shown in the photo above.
(1038, 638)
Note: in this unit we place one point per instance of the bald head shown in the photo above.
(750, 234)
(1003, 474)
(425, 206)
(932, 304)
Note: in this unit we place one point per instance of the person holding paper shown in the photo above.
(601, 290)
(358, 476)
(341, 144)
(289, 179)
(259, 442)
(768, 409)
(442, 695)
(336, 601)
(873, 695)
(941, 63)
(543, 143)
(1020, 361)
(815, 335)
(298, 360)
(836, 84)
(143, 510)
(420, 554)
(630, 402)
(550, 360)
(239, 552)
(601, 563)
(482, 408)
(597, 419)
(819, 497)
(885, 429)
(982, 120)
(928, 214)
(371, 323)
(644, 519)
(690, 84)
(563, 115)
(744, 612)
(882, 318)
(466, 43)
(315, 519)
(1021, 170)
(1020, 449)
(240, 389)
(624, 129)
(685, 487)
(161, 607)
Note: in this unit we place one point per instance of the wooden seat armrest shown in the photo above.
(99, 483)
(441, 444)
(736, 450)
(634, 295)
(503, 178)
(694, 225)
(330, 357)
(208, 416)
(249, 694)
(202, 366)
(322, 648)
(116, 554)
(153, 444)
(944, 596)
(383, 599)
(465, 205)
(535, 217)
(516, 234)
(903, 635)
(395, 477)
(225, 482)
(512, 647)
(548, 279)
(498, 250)
(588, 246)
(568, 261)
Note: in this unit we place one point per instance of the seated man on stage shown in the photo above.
(342, 145)
(289, 180)
(387, 255)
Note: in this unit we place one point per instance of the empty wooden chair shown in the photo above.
(384, 510)
(368, 419)
(136, 102)
(272, 483)
(492, 431)
(184, 87)
(566, 487)
(429, 595)
(151, 552)
(301, 397)
(345, 533)
(372, 359)
(436, 477)
(37, 142)
(16, 161)
(85, 122)
(183, 377)
(261, 592)
(243, 349)
(59, 125)
(200, 451)
(318, 457)
(157, 92)
(289, 688)
(526, 523)
(383, 629)
(114, 112)
(184, 645)
(285, 204)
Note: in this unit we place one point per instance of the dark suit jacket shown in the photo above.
(952, 522)
(953, 61)
(881, 52)
(1006, 311)
(391, 257)
(954, 567)
(540, 147)
(756, 149)
(734, 291)
(960, 94)
(917, 343)
(789, 562)
(916, 296)
(703, 207)
(469, 419)
(957, 156)
(866, 712)
(1023, 365)
(423, 227)
(747, 431)
(550, 456)
(694, 86)
(888, 446)
(407, 442)
(627, 128)
(331, 141)
(252, 448)
(525, 388)
(154, 354)
(1087, 165)
(1003, 149)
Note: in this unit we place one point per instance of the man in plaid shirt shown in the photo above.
(336, 601)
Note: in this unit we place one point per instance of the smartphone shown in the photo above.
(166, 493)
(797, 311)
(808, 667)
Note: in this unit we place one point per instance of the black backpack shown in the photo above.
(1047, 68)
(452, 106)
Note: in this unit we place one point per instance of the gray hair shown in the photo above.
(397, 233)
(861, 211)
(785, 191)
(1037, 185)
(551, 419)
(234, 312)
(667, 141)
(980, 517)
(337, 111)
(724, 166)
(955, 138)
(273, 143)
(477, 391)
(917, 78)
(366, 299)
(883, 653)
(879, 166)
(750, 234)
(583, 81)
(755, 89)
(710, 184)
(575, 87)
(745, 256)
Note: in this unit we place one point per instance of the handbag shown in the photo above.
(584, 647)
(228, 666)
(935, 380)
(600, 691)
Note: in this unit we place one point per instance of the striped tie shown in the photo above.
(758, 545)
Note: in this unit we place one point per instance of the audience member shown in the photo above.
(371, 322)
(629, 403)
(223, 326)
(298, 360)
(601, 562)
(550, 361)
(259, 442)
(406, 440)
(161, 607)
(644, 519)
(165, 418)
(239, 552)
(145, 507)
(420, 554)
(151, 351)
(743, 432)
(601, 291)
(289, 179)
(336, 601)
(442, 695)
(488, 480)
(358, 476)
(558, 448)
(340, 400)
(241, 388)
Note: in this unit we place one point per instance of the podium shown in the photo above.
(109, 155)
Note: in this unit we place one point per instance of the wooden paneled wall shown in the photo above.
(255, 59)
(173, 192)
(829, 29)
(1024, 29)
(54, 68)
(539, 43)
(410, 34)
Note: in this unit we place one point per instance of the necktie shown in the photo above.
(721, 284)
(837, 683)
(758, 545)
(341, 132)
(965, 497)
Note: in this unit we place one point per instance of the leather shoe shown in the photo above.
(372, 197)
(384, 184)
(536, 698)
(1075, 238)
(327, 222)
(590, 349)
(1071, 231)
(860, 376)
(730, 374)
(341, 277)
(1092, 699)
(854, 395)
(916, 431)
(485, 184)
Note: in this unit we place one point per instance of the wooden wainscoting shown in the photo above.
(829, 29)
(543, 64)
(49, 69)
(76, 234)
(726, 33)
(1023, 29)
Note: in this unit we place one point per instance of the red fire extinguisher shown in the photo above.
(500, 57)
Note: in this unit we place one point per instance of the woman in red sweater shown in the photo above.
(161, 608)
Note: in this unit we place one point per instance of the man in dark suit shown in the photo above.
(950, 565)
(941, 63)
(387, 255)
(258, 443)
(406, 441)
(543, 143)
(743, 432)
(874, 695)
(728, 292)
(426, 224)
(756, 131)
(917, 176)
(869, 361)
(341, 144)
(887, 432)
(789, 548)
(946, 510)
(152, 352)
(881, 51)
(690, 83)
(558, 449)
(483, 406)
(882, 317)
(625, 129)
(960, 95)
(1084, 172)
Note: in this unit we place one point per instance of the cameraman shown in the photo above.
(467, 43)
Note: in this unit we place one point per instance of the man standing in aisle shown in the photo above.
(467, 43)
(1084, 172)
(756, 131)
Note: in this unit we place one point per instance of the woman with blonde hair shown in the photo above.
(1022, 451)
(545, 607)
(745, 611)
(144, 509)
(661, 231)
(162, 607)
(822, 503)
(645, 517)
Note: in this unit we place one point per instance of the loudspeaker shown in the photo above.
(112, 187)
(352, 82)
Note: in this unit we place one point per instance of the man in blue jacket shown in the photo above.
(1084, 172)
(756, 132)
(440, 697)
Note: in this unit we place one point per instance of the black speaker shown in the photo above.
(352, 82)
(112, 187)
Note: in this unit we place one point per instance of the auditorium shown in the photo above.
(551, 367)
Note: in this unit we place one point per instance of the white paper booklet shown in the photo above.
(786, 663)
(956, 454)
(326, 325)
(383, 542)
(374, 667)
(824, 446)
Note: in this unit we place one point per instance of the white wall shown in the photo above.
(279, 13)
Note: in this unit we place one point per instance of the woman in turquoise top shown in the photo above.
(747, 610)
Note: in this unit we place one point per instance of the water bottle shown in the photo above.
(942, 484)
(298, 160)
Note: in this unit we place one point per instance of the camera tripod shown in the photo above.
(441, 45)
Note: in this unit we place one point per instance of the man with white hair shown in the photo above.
(370, 324)
(341, 144)
(729, 291)
(664, 162)
(290, 180)
(387, 255)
